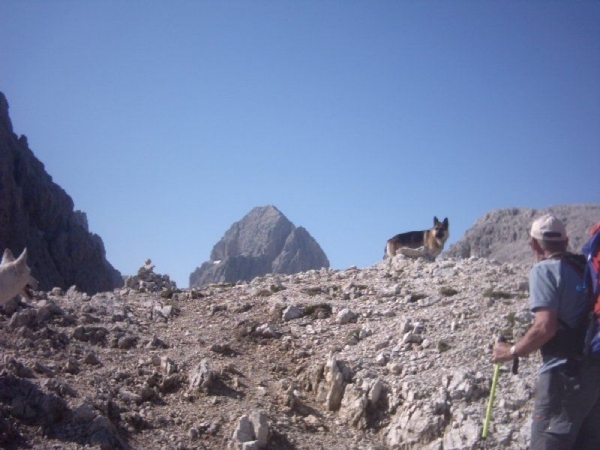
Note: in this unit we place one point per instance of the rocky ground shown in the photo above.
(391, 356)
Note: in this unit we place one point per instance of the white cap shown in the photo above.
(548, 228)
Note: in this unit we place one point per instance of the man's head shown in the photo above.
(548, 235)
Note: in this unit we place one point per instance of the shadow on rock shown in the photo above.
(21, 401)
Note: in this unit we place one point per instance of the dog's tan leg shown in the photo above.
(390, 251)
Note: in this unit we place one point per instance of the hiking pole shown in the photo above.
(488, 412)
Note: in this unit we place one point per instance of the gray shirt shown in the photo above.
(554, 284)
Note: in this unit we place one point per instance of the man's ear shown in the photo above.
(536, 247)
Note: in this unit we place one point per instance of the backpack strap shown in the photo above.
(575, 261)
(568, 342)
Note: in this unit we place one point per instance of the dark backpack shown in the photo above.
(569, 342)
(591, 284)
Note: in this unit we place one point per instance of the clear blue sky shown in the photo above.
(168, 121)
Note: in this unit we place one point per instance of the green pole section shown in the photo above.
(488, 413)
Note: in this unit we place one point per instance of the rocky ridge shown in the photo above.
(391, 356)
(263, 242)
(38, 214)
(503, 234)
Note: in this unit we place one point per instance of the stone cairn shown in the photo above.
(148, 281)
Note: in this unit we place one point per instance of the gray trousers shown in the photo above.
(566, 411)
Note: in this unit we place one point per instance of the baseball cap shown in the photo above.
(548, 228)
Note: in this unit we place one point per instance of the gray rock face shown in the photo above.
(264, 241)
(38, 214)
(503, 234)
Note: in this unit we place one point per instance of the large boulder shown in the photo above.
(38, 214)
(503, 234)
(264, 241)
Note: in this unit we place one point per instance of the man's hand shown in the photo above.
(544, 326)
(501, 352)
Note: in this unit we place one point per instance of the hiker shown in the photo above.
(566, 412)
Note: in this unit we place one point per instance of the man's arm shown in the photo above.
(544, 327)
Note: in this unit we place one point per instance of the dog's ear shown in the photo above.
(23, 256)
(446, 223)
(435, 220)
(7, 256)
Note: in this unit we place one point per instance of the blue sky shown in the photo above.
(168, 121)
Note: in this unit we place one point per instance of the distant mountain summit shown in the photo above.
(503, 234)
(38, 214)
(263, 242)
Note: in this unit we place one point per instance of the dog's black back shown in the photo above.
(411, 238)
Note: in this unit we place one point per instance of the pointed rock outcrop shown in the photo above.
(264, 241)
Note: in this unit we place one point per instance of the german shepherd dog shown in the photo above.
(432, 241)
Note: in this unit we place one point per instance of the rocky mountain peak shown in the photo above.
(261, 232)
(264, 241)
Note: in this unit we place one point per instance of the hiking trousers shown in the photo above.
(566, 411)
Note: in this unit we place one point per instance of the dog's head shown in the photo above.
(22, 269)
(441, 230)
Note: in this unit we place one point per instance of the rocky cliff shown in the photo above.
(263, 242)
(503, 234)
(38, 214)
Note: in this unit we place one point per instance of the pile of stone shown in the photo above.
(148, 281)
